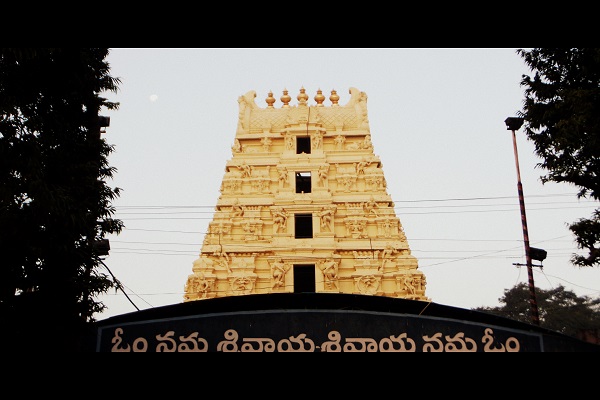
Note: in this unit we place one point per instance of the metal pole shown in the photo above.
(532, 297)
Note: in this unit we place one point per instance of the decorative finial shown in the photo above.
(270, 99)
(319, 98)
(285, 99)
(334, 98)
(302, 97)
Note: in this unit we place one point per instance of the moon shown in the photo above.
(153, 97)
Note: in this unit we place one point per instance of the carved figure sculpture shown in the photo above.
(245, 169)
(316, 140)
(339, 142)
(323, 173)
(283, 177)
(387, 254)
(237, 210)
(371, 206)
(279, 219)
(330, 272)
(266, 142)
(279, 269)
(409, 284)
(237, 146)
(223, 259)
(327, 216)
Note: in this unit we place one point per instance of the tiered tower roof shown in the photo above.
(304, 207)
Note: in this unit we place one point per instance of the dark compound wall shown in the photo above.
(323, 322)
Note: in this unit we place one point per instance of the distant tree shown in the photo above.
(560, 310)
(55, 204)
(561, 112)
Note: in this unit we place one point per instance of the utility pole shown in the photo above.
(513, 124)
(101, 247)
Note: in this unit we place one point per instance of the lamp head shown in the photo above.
(513, 123)
(537, 254)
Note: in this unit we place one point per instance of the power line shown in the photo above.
(118, 283)
(397, 209)
(573, 195)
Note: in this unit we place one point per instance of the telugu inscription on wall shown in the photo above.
(312, 331)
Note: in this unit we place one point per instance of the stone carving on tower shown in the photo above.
(304, 207)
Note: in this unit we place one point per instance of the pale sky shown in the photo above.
(436, 121)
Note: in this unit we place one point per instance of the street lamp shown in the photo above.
(513, 124)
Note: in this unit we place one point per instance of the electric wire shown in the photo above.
(120, 212)
(118, 283)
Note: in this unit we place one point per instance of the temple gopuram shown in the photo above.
(304, 207)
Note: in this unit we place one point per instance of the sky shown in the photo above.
(436, 120)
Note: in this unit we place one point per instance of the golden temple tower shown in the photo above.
(304, 207)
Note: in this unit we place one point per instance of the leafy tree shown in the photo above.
(561, 112)
(560, 310)
(55, 205)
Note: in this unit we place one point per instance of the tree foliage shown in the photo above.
(55, 203)
(559, 310)
(561, 112)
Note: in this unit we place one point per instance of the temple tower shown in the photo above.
(304, 207)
